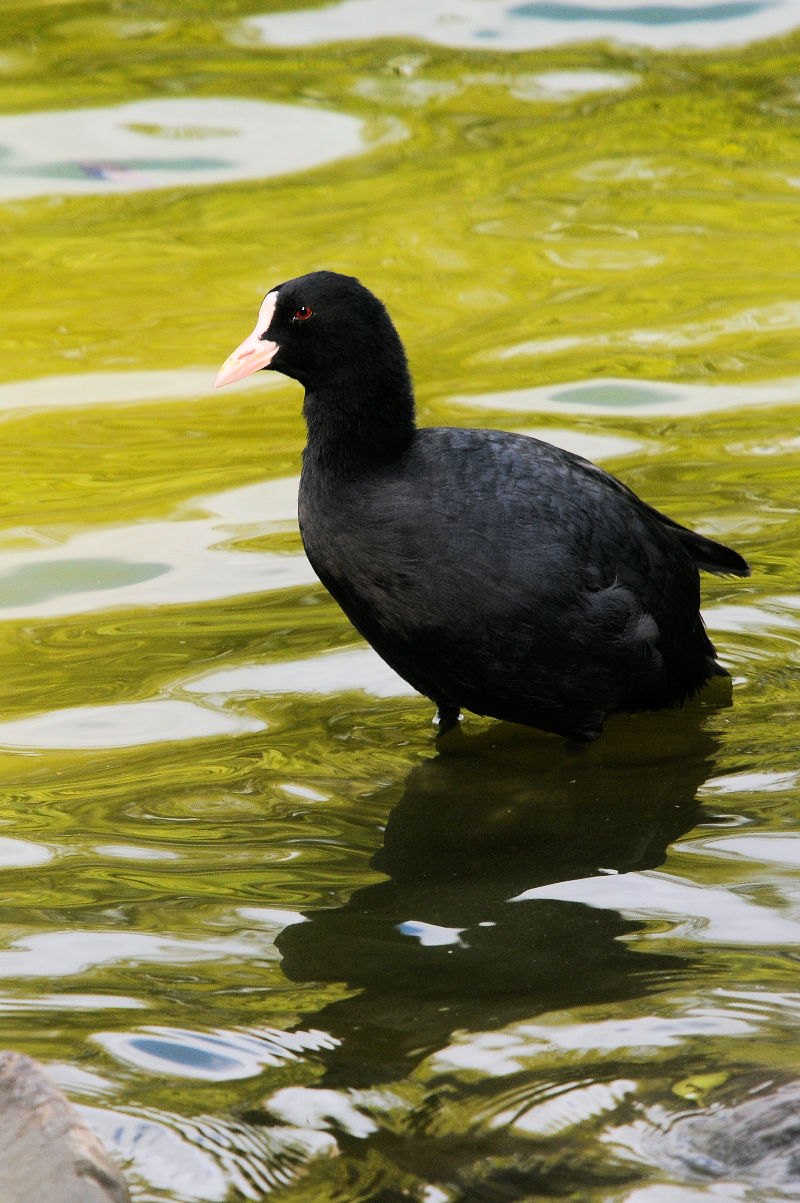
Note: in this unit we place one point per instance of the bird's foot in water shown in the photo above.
(447, 719)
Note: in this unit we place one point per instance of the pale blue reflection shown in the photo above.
(588, 444)
(56, 953)
(497, 25)
(216, 1056)
(709, 915)
(22, 854)
(170, 562)
(207, 1158)
(517, 1048)
(336, 671)
(166, 142)
(127, 724)
(432, 935)
(82, 389)
(639, 14)
(639, 398)
(578, 250)
(28, 584)
(779, 850)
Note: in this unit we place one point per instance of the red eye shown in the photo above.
(303, 314)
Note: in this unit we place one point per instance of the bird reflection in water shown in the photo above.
(443, 945)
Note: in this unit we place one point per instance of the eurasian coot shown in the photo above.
(492, 571)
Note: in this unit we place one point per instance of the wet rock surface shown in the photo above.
(754, 1141)
(49, 1153)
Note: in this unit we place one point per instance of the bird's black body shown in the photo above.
(492, 571)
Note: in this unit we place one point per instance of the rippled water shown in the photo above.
(271, 942)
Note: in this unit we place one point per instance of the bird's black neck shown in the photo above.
(360, 422)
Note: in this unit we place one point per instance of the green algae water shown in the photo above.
(270, 941)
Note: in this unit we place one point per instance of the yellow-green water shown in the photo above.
(195, 750)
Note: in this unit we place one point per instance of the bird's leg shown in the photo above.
(446, 719)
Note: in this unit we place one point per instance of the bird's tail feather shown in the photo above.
(707, 553)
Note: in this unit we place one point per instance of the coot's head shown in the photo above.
(324, 330)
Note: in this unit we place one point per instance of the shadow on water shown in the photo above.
(443, 945)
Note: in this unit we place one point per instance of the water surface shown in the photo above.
(268, 939)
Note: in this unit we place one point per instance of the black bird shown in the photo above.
(491, 570)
